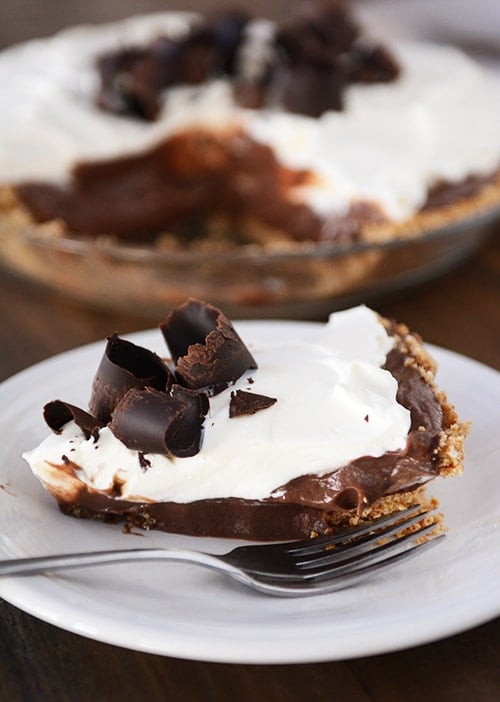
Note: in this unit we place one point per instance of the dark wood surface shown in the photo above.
(40, 662)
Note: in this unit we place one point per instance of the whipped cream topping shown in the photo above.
(438, 121)
(334, 404)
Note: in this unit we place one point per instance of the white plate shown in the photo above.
(182, 611)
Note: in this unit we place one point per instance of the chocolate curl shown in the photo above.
(58, 413)
(242, 403)
(205, 347)
(117, 93)
(372, 64)
(312, 89)
(150, 421)
(124, 366)
(327, 25)
(226, 28)
(187, 395)
(318, 32)
(315, 41)
(320, 49)
(133, 79)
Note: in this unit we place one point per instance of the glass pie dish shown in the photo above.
(308, 281)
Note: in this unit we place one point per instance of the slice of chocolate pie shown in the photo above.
(278, 440)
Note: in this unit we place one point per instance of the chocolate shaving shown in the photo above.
(120, 91)
(200, 398)
(226, 28)
(323, 53)
(314, 56)
(144, 462)
(205, 347)
(124, 366)
(318, 34)
(315, 42)
(133, 79)
(242, 403)
(58, 413)
(372, 64)
(313, 89)
(150, 421)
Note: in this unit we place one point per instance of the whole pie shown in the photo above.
(227, 130)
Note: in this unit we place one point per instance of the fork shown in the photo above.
(315, 566)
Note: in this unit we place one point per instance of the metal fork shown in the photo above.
(291, 569)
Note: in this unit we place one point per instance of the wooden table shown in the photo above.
(40, 662)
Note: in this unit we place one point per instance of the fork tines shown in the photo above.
(355, 550)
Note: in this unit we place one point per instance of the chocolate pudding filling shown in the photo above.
(196, 178)
(176, 187)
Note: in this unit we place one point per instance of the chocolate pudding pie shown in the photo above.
(226, 127)
(183, 149)
(274, 440)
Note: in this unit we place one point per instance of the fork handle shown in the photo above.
(45, 564)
